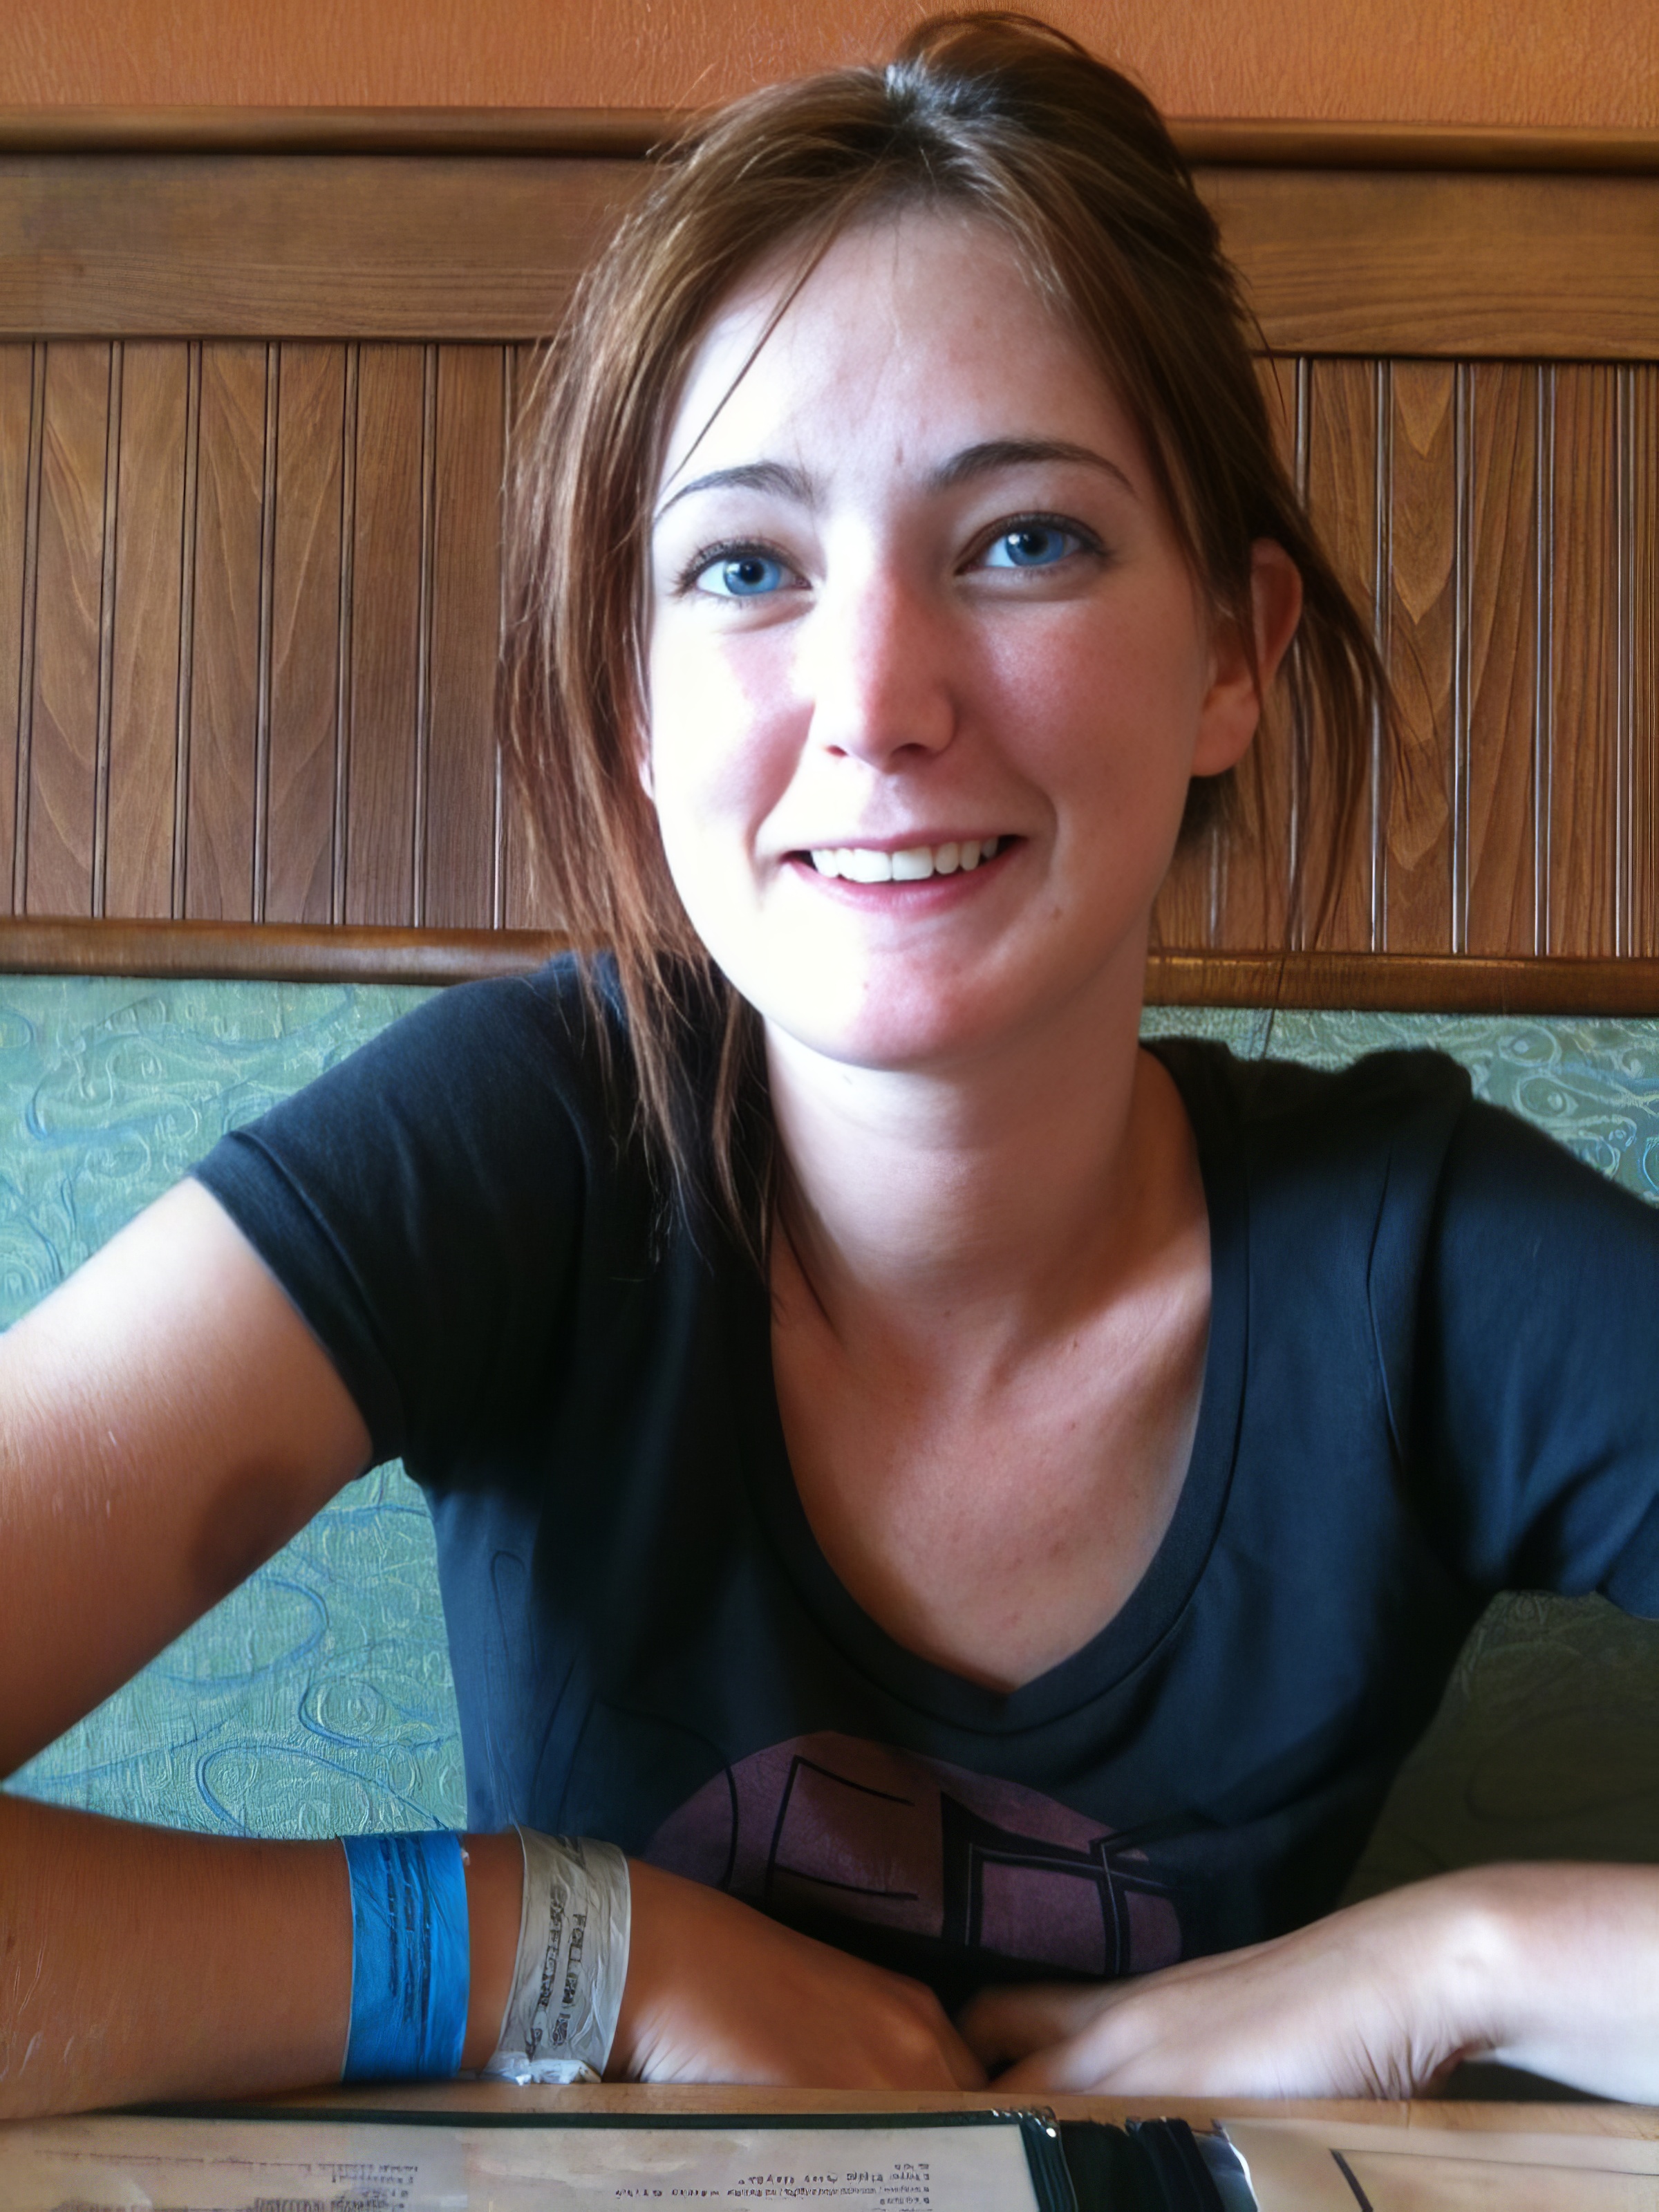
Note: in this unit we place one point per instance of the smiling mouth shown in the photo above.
(911, 863)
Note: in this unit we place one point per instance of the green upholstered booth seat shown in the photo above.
(317, 1699)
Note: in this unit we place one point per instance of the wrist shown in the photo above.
(1475, 1948)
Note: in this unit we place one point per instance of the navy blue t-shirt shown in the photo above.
(1431, 1375)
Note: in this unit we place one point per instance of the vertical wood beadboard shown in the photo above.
(1543, 706)
(1582, 787)
(384, 635)
(423, 632)
(1499, 634)
(460, 821)
(75, 470)
(1641, 536)
(187, 629)
(19, 476)
(270, 462)
(143, 702)
(498, 781)
(107, 630)
(342, 854)
(1421, 587)
(304, 633)
(225, 663)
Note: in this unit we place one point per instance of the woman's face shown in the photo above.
(929, 675)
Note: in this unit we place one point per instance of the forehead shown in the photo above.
(920, 330)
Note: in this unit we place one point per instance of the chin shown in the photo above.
(889, 1038)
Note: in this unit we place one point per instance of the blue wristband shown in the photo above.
(411, 1958)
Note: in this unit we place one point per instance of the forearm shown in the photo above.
(1565, 1972)
(140, 1963)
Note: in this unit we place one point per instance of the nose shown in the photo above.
(881, 672)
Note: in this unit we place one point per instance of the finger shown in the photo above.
(1004, 2024)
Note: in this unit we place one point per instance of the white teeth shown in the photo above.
(861, 865)
(913, 864)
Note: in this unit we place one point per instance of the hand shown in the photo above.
(1380, 2000)
(717, 1992)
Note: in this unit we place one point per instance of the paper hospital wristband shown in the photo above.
(567, 1977)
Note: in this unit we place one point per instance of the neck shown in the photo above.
(984, 1205)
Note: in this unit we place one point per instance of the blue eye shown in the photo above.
(745, 575)
(1031, 545)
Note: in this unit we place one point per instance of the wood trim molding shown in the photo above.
(1356, 982)
(424, 249)
(270, 952)
(1379, 982)
(632, 132)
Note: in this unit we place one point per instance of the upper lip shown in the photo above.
(911, 840)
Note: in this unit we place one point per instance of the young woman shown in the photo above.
(975, 1510)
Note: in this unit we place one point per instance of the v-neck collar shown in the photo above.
(1155, 1604)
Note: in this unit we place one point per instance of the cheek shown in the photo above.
(716, 764)
(1106, 702)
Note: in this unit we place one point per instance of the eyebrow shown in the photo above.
(998, 453)
(774, 476)
(990, 457)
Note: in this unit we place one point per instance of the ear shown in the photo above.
(1232, 706)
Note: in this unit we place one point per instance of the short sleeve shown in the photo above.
(1539, 1366)
(424, 1204)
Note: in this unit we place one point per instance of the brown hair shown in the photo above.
(1015, 123)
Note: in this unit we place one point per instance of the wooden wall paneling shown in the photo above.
(423, 247)
(457, 876)
(304, 629)
(1582, 789)
(1638, 538)
(1499, 826)
(143, 713)
(63, 735)
(255, 245)
(232, 464)
(1435, 262)
(1346, 409)
(21, 377)
(1417, 849)
(386, 634)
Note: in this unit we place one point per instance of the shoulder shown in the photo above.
(1287, 1128)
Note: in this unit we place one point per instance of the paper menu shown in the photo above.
(1316, 2166)
(116, 2164)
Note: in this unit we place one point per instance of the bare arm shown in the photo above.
(166, 1421)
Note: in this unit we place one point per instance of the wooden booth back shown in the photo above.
(257, 375)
